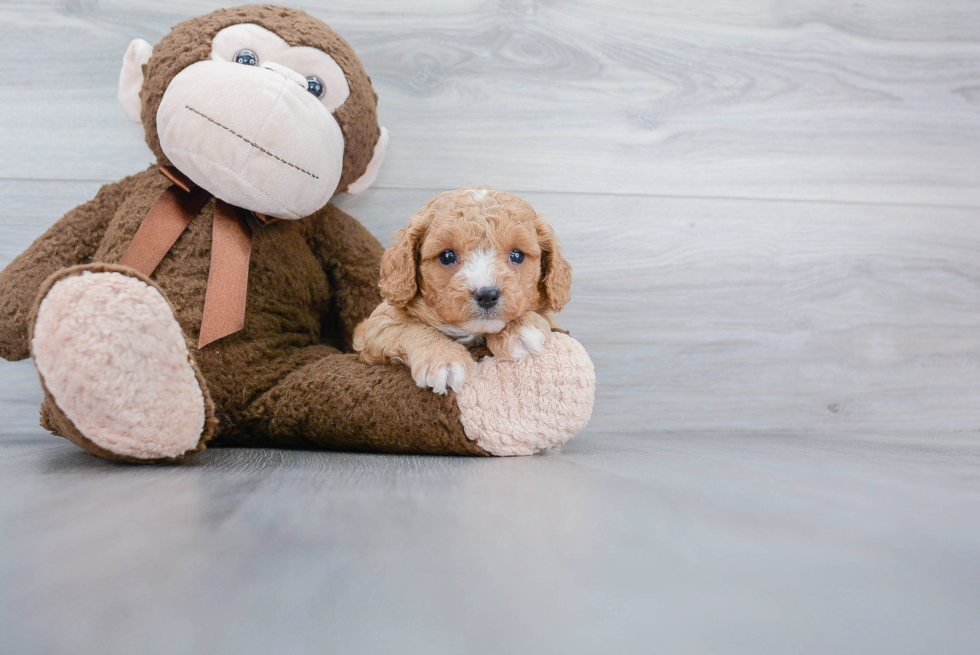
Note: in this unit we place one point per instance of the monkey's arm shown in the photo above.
(351, 257)
(72, 240)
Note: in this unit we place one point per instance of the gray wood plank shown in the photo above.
(784, 455)
(733, 314)
(800, 100)
(726, 543)
(719, 314)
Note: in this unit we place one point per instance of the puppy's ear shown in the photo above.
(398, 266)
(556, 272)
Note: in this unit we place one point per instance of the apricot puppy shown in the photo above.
(474, 264)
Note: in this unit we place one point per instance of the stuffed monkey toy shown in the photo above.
(212, 298)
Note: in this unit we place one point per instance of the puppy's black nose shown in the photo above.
(486, 297)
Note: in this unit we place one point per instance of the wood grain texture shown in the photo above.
(772, 213)
(725, 543)
(696, 99)
(710, 314)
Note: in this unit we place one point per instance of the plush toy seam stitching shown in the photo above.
(251, 143)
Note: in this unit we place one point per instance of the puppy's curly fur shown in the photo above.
(474, 264)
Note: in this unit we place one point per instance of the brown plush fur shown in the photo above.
(282, 381)
(426, 300)
(339, 402)
(190, 42)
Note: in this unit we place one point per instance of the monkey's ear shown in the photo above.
(371, 173)
(131, 77)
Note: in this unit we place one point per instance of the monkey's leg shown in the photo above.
(119, 380)
(338, 402)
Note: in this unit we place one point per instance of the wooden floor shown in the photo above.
(773, 213)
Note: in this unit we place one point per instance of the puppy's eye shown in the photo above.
(447, 258)
(516, 256)
(247, 57)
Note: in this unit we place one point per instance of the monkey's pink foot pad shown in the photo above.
(522, 408)
(113, 357)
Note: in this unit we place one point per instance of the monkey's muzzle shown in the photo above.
(252, 136)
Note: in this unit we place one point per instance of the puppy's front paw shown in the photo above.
(517, 345)
(530, 341)
(443, 371)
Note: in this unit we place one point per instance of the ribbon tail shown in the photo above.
(224, 300)
(163, 225)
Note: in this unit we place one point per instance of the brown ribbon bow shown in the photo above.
(231, 248)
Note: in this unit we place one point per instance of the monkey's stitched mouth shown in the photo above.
(249, 142)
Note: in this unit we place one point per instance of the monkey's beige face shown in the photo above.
(254, 125)
(478, 272)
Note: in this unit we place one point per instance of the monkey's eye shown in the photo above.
(315, 86)
(447, 258)
(247, 57)
(516, 256)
